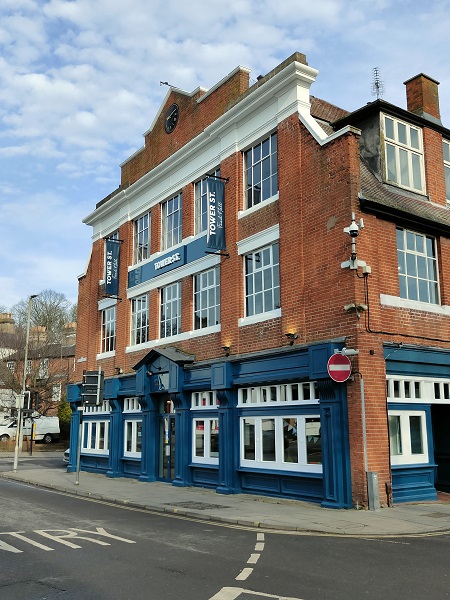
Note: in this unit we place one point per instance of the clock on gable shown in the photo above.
(171, 119)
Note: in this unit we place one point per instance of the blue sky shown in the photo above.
(80, 84)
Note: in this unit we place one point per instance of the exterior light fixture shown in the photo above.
(119, 370)
(226, 349)
(291, 337)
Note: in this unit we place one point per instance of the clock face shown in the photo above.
(171, 118)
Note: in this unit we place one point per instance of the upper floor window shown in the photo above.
(446, 148)
(43, 368)
(141, 249)
(404, 154)
(262, 280)
(171, 310)
(207, 298)
(261, 171)
(11, 365)
(139, 320)
(417, 266)
(171, 222)
(201, 203)
(109, 329)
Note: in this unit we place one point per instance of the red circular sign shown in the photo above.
(339, 367)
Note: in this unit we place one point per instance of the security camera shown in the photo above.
(353, 230)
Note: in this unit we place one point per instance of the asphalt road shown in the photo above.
(54, 546)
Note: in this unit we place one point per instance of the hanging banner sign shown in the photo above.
(215, 239)
(112, 252)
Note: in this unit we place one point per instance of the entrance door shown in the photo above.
(167, 447)
(440, 416)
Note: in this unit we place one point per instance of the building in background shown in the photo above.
(50, 366)
(258, 232)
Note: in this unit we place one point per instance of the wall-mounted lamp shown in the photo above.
(356, 308)
(291, 337)
(226, 349)
(119, 370)
(149, 373)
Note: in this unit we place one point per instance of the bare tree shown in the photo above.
(49, 309)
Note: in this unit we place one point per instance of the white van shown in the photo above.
(46, 429)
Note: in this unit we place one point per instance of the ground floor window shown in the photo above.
(133, 438)
(408, 437)
(286, 442)
(95, 438)
(206, 440)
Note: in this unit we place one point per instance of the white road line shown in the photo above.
(260, 537)
(231, 593)
(253, 559)
(259, 547)
(244, 574)
(17, 534)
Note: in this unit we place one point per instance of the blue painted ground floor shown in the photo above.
(272, 424)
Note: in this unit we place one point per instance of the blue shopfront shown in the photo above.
(271, 423)
(418, 401)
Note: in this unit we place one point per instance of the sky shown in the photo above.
(80, 84)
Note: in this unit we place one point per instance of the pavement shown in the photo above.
(262, 512)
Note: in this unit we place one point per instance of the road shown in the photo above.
(55, 546)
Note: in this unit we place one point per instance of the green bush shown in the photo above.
(64, 414)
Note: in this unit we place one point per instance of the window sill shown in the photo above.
(397, 302)
(273, 314)
(174, 338)
(249, 211)
(104, 355)
(214, 462)
(304, 470)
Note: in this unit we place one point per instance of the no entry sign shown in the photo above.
(339, 367)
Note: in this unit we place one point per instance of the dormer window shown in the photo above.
(404, 154)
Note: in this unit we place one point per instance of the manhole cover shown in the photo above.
(437, 515)
(196, 505)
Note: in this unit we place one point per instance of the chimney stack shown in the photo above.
(422, 97)
(7, 324)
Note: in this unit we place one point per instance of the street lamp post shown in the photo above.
(19, 432)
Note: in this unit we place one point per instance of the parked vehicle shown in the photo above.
(46, 429)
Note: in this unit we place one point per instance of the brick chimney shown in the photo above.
(6, 323)
(422, 97)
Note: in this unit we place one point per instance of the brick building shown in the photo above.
(215, 354)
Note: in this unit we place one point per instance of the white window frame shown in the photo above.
(44, 364)
(103, 408)
(139, 320)
(132, 427)
(261, 166)
(108, 341)
(171, 306)
(413, 274)
(171, 222)
(204, 400)
(446, 150)
(256, 300)
(56, 392)
(11, 365)
(279, 464)
(206, 284)
(141, 239)
(286, 393)
(401, 155)
(90, 440)
(131, 405)
(407, 457)
(210, 427)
